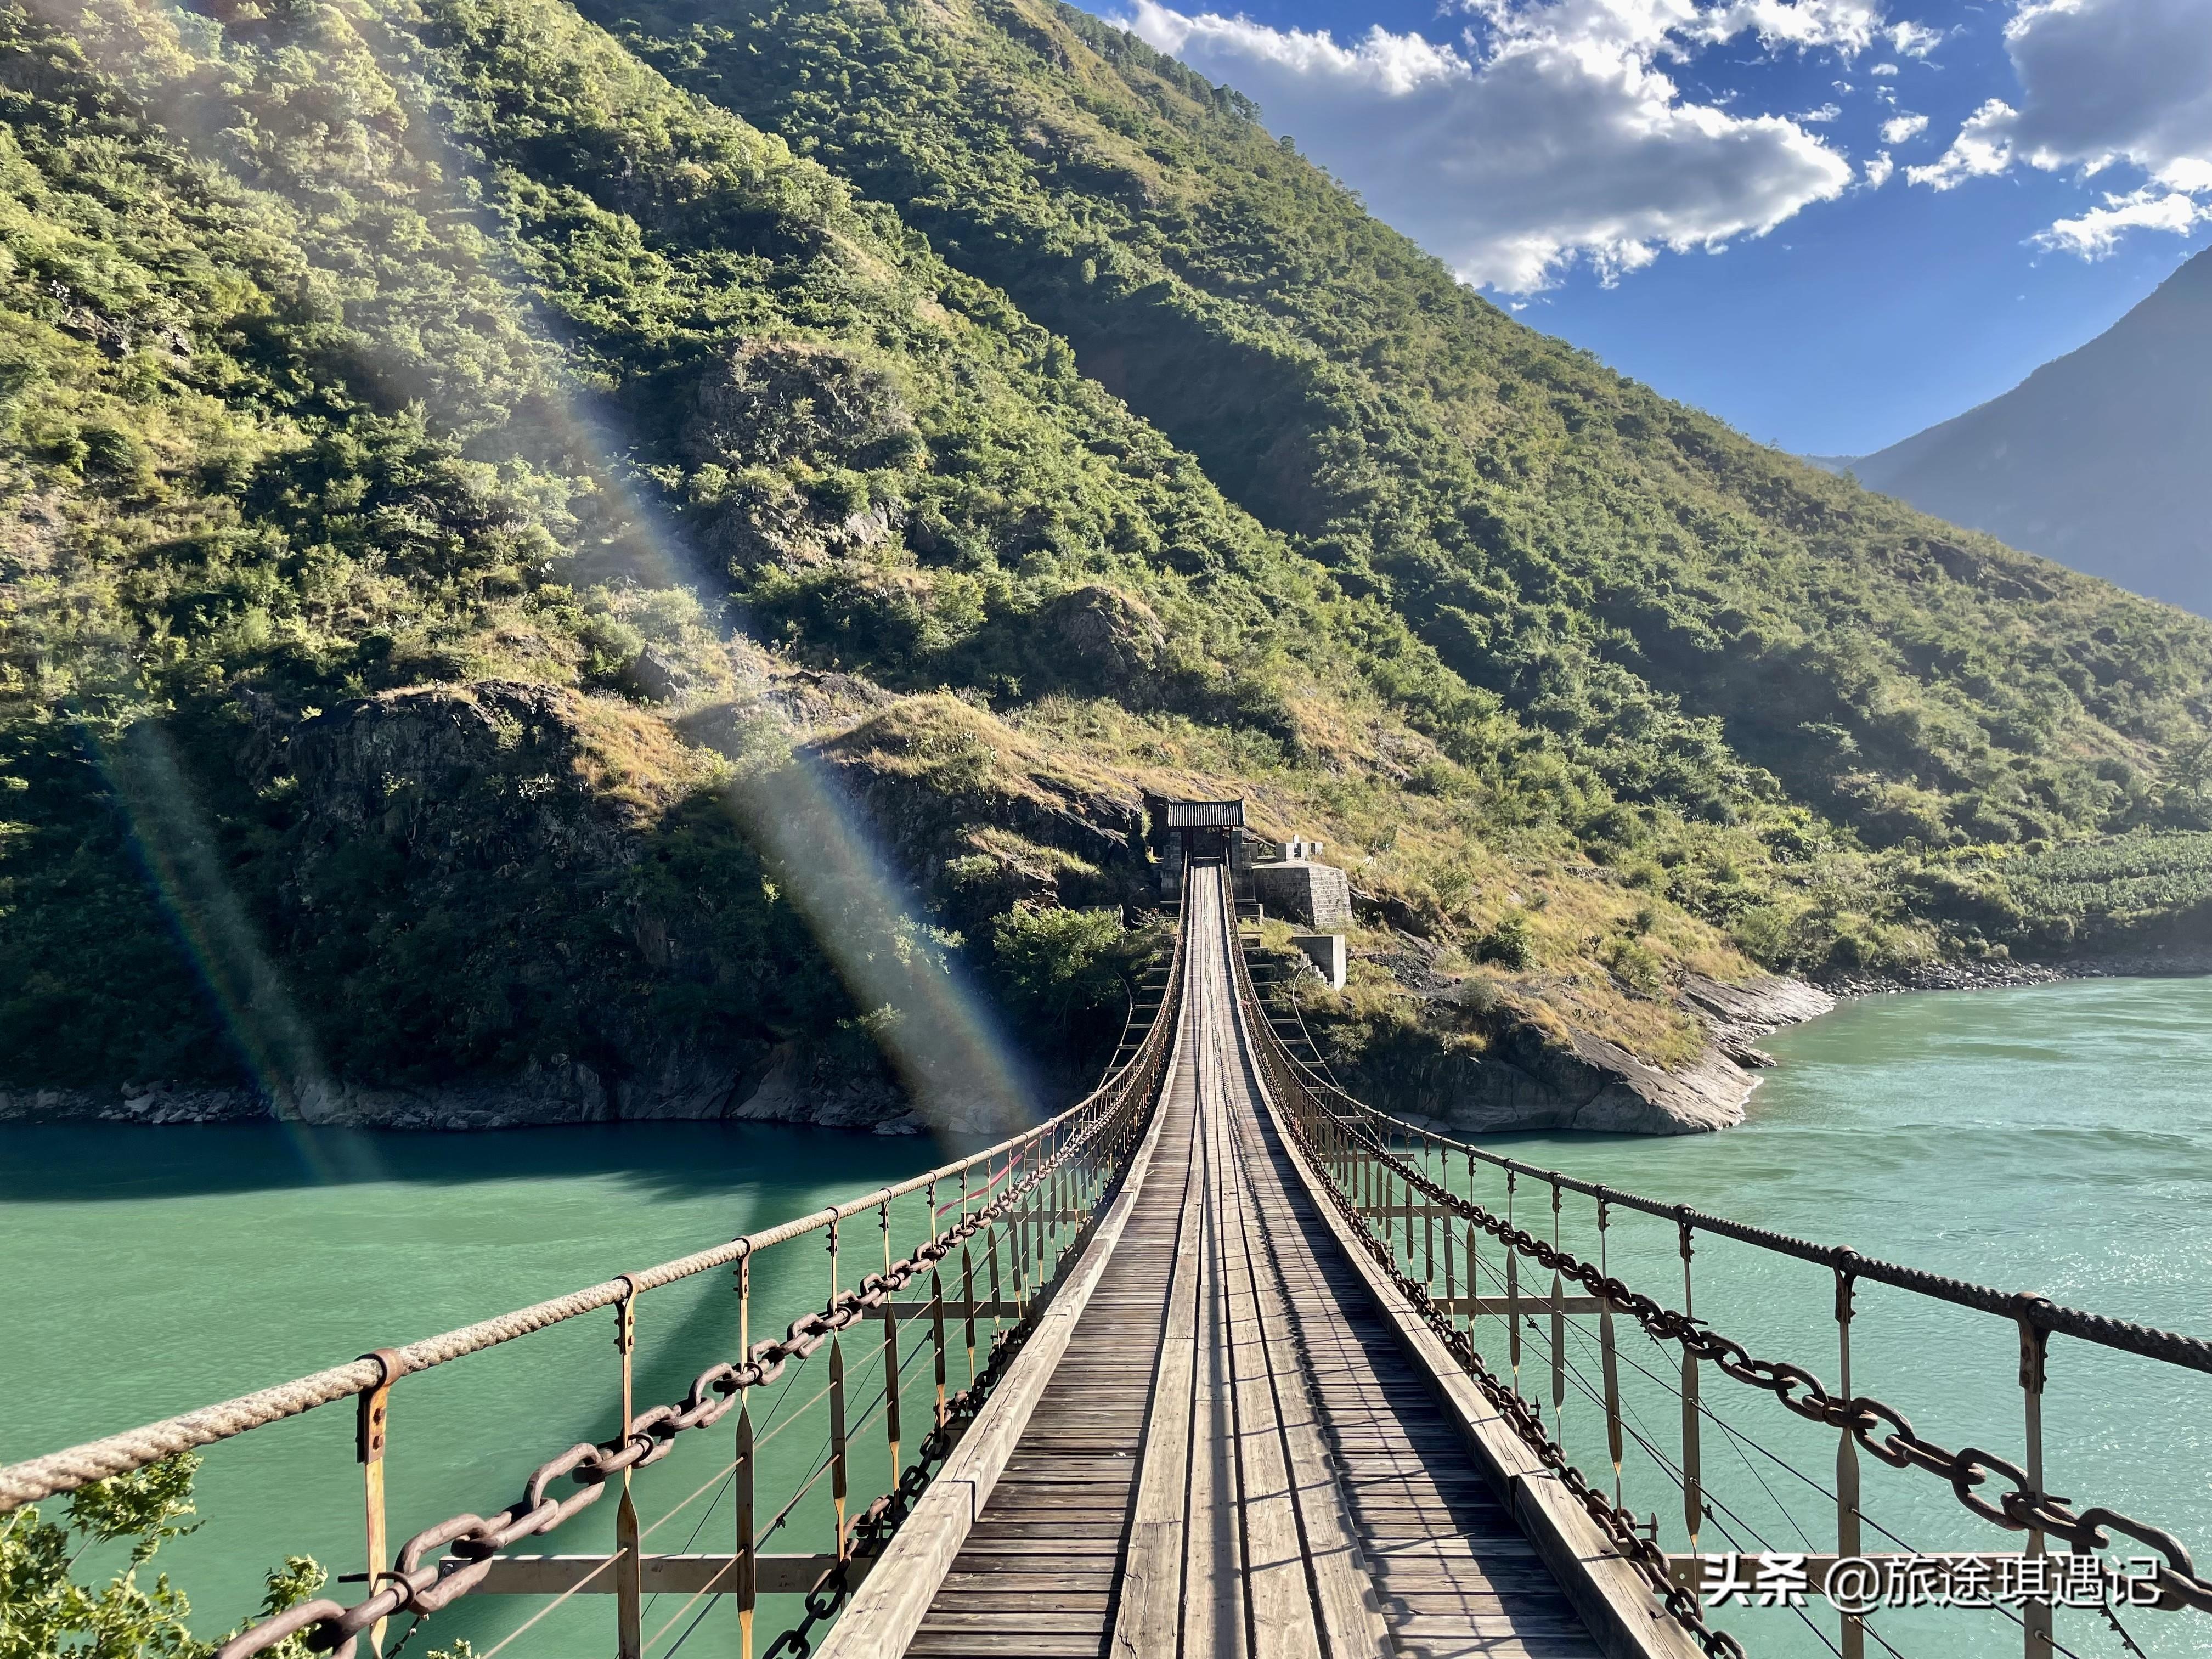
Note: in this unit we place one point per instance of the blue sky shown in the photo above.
(1830, 223)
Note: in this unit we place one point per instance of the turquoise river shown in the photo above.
(2055, 1139)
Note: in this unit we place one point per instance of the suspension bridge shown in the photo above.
(1192, 1369)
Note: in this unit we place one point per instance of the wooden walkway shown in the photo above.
(1234, 1459)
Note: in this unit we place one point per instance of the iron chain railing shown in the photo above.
(1047, 1183)
(1349, 1143)
(470, 1542)
(1320, 1133)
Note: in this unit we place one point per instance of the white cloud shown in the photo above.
(1878, 171)
(1815, 116)
(1844, 26)
(1883, 69)
(2098, 232)
(1983, 148)
(1552, 135)
(1898, 128)
(1911, 39)
(2104, 84)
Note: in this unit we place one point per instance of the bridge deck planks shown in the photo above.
(1452, 1572)
(1323, 1500)
(1040, 1573)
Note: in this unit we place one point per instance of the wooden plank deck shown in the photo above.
(1040, 1571)
(1236, 1459)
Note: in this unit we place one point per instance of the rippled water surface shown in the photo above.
(154, 1270)
(2056, 1139)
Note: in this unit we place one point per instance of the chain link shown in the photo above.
(1878, 1427)
(421, 1587)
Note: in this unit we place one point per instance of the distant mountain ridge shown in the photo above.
(2100, 460)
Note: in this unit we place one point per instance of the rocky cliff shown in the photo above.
(1457, 1054)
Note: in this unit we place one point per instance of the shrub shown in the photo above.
(1636, 965)
(1509, 943)
(1061, 970)
(43, 1611)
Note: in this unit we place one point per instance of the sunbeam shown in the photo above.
(932, 1026)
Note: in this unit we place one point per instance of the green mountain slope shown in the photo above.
(400, 402)
(354, 352)
(466, 505)
(1597, 556)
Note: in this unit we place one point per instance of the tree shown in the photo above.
(45, 1613)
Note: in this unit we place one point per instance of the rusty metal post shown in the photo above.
(891, 1353)
(1038, 1194)
(630, 1569)
(2036, 1619)
(936, 1307)
(1017, 1252)
(991, 1236)
(1848, 1535)
(371, 1428)
(937, 1335)
(748, 1585)
(1694, 1488)
(1512, 1288)
(1474, 1258)
(968, 1277)
(745, 1305)
(1474, 1279)
(1450, 1287)
(1406, 1204)
(1610, 1355)
(1429, 1240)
(1054, 1212)
(1559, 1334)
(837, 1470)
(838, 1482)
(968, 1306)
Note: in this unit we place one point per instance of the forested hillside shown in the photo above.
(1562, 536)
(461, 496)
(353, 355)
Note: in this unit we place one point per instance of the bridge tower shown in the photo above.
(1185, 832)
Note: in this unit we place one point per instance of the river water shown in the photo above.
(2055, 1138)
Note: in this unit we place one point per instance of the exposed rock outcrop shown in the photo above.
(1739, 1014)
(1530, 1075)
(776, 400)
(570, 810)
(1103, 637)
(788, 1085)
(944, 787)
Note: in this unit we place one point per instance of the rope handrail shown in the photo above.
(2147, 1340)
(56, 1473)
(1352, 1145)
